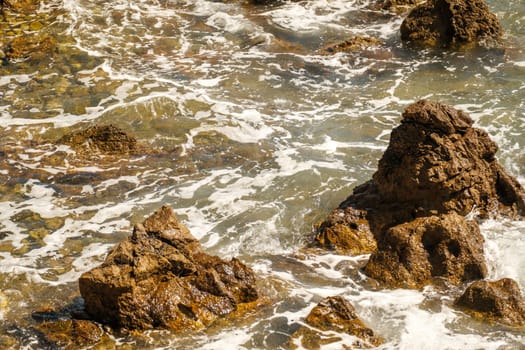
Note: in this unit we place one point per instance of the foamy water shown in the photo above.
(272, 136)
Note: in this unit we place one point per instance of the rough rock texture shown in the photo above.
(69, 334)
(357, 43)
(160, 277)
(395, 5)
(411, 254)
(334, 314)
(106, 139)
(445, 23)
(496, 301)
(436, 163)
(347, 232)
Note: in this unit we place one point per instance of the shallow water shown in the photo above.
(271, 136)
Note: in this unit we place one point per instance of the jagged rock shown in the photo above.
(495, 301)
(108, 139)
(161, 278)
(334, 314)
(436, 163)
(411, 254)
(445, 23)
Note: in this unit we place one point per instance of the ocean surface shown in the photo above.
(263, 136)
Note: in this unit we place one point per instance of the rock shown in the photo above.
(347, 232)
(334, 314)
(495, 301)
(446, 23)
(161, 278)
(436, 163)
(107, 140)
(395, 5)
(411, 254)
(30, 46)
(69, 334)
(20, 6)
(357, 43)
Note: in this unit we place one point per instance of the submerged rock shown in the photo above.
(445, 23)
(70, 334)
(334, 314)
(30, 46)
(21, 6)
(107, 139)
(436, 163)
(357, 43)
(161, 278)
(411, 254)
(495, 301)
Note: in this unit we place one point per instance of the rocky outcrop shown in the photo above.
(161, 278)
(436, 163)
(494, 301)
(446, 23)
(334, 314)
(436, 170)
(105, 140)
(412, 253)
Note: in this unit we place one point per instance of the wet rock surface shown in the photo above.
(347, 231)
(334, 314)
(105, 139)
(494, 301)
(436, 163)
(409, 255)
(446, 23)
(357, 43)
(161, 278)
(436, 170)
(69, 334)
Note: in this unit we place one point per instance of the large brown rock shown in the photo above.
(495, 301)
(161, 277)
(411, 254)
(436, 163)
(445, 23)
(334, 314)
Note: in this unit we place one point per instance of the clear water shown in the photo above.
(271, 136)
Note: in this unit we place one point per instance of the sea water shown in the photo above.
(270, 136)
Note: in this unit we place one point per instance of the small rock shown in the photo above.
(70, 334)
(347, 232)
(358, 43)
(334, 314)
(108, 139)
(495, 301)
